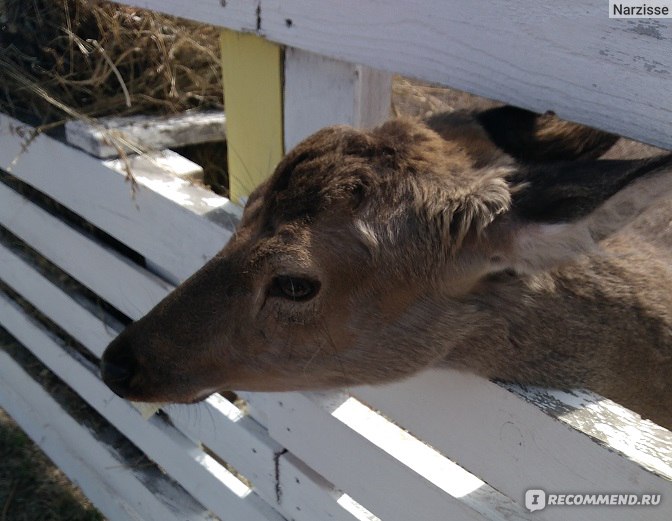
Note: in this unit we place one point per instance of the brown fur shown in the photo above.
(438, 243)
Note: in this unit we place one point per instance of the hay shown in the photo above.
(81, 58)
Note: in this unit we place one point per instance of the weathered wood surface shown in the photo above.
(147, 219)
(119, 489)
(321, 91)
(503, 440)
(367, 472)
(125, 285)
(565, 56)
(111, 136)
(606, 423)
(164, 161)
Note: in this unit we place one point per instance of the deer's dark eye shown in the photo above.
(294, 288)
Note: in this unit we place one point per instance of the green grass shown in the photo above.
(31, 487)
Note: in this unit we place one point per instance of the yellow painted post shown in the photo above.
(252, 74)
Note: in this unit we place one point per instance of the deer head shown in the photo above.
(355, 261)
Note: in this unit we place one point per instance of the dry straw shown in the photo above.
(83, 59)
(65, 58)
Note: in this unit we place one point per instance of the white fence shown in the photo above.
(316, 456)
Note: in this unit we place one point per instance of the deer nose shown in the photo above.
(117, 374)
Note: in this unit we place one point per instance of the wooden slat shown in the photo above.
(242, 15)
(240, 441)
(114, 486)
(608, 424)
(307, 496)
(57, 305)
(321, 91)
(370, 475)
(145, 132)
(123, 284)
(148, 221)
(515, 445)
(248, 447)
(206, 480)
(563, 56)
(162, 161)
(252, 77)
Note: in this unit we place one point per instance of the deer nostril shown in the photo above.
(116, 375)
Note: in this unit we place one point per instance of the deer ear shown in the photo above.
(461, 212)
(529, 137)
(563, 210)
(567, 191)
(546, 197)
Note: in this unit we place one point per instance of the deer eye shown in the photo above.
(294, 288)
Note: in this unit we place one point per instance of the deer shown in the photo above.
(495, 242)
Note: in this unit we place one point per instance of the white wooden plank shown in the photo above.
(321, 91)
(608, 423)
(160, 162)
(277, 476)
(565, 56)
(126, 286)
(428, 462)
(245, 444)
(55, 304)
(307, 496)
(373, 477)
(241, 15)
(114, 486)
(373, 101)
(163, 220)
(205, 479)
(140, 132)
(513, 445)
(234, 437)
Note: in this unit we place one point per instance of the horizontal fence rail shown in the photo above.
(145, 220)
(565, 56)
(122, 492)
(303, 456)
